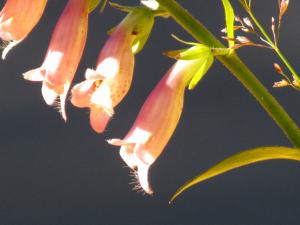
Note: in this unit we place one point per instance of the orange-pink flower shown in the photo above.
(156, 121)
(106, 86)
(17, 19)
(64, 53)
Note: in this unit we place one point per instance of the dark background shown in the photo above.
(56, 173)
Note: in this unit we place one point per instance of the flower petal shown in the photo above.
(99, 119)
(35, 75)
(81, 93)
(91, 74)
(49, 95)
(63, 98)
(9, 47)
(128, 157)
(143, 172)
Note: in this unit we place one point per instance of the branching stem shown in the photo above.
(273, 45)
(237, 67)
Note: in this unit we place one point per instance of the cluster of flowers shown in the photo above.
(104, 87)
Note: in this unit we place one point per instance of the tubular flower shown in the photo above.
(17, 19)
(64, 53)
(156, 121)
(106, 86)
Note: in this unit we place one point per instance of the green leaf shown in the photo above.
(229, 16)
(122, 8)
(241, 159)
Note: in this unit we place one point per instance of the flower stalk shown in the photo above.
(273, 44)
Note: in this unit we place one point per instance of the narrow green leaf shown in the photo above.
(241, 159)
(182, 41)
(229, 16)
(122, 8)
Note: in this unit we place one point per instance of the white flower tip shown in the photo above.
(126, 153)
(91, 74)
(34, 75)
(62, 106)
(143, 171)
(49, 95)
(108, 67)
(116, 142)
(10, 45)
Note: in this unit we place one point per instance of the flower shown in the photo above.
(106, 86)
(17, 19)
(64, 53)
(156, 121)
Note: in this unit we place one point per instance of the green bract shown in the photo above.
(199, 52)
(205, 62)
(138, 22)
(143, 20)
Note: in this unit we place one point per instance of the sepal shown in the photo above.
(95, 3)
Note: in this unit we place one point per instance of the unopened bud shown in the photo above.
(273, 25)
(224, 30)
(280, 84)
(278, 68)
(248, 22)
(246, 30)
(283, 7)
(243, 40)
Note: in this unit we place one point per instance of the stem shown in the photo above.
(237, 67)
(274, 46)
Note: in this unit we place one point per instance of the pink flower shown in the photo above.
(64, 53)
(17, 19)
(106, 86)
(156, 121)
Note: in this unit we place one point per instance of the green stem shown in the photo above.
(237, 67)
(274, 46)
(288, 65)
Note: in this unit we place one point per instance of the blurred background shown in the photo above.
(57, 173)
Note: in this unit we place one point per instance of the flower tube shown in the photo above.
(17, 19)
(157, 120)
(109, 83)
(64, 53)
